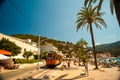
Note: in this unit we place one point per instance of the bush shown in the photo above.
(23, 61)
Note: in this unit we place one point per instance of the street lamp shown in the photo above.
(38, 65)
(39, 51)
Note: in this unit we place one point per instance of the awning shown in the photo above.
(3, 57)
(5, 52)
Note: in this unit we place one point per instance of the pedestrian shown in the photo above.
(119, 67)
(79, 63)
(69, 63)
(74, 62)
(86, 67)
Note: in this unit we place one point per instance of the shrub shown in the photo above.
(23, 61)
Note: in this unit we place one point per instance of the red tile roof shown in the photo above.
(5, 52)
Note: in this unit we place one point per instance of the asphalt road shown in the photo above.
(13, 74)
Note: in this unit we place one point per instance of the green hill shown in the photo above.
(108, 46)
(113, 48)
(65, 47)
(68, 47)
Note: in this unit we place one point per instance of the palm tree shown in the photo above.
(114, 4)
(86, 17)
(81, 45)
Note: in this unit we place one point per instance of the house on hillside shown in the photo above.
(104, 55)
(100, 55)
(19, 42)
(48, 48)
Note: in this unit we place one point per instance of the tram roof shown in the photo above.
(57, 52)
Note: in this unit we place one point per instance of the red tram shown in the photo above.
(53, 58)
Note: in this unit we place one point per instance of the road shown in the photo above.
(21, 73)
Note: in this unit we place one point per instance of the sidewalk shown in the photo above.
(22, 66)
(73, 73)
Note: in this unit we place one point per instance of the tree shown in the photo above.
(114, 4)
(81, 45)
(86, 17)
(5, 44)
(43, 55)
(27, 54)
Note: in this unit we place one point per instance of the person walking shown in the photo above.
(68, 63)
(86, 67)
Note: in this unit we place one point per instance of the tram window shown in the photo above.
(53, 56)
(56, 58)
(48, 58)
(49, 54)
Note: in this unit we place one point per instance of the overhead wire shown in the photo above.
(21, 13)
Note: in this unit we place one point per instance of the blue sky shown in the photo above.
(53, 19)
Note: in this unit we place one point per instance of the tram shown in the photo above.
(53, 58)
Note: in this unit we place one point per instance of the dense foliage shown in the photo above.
(22, 61)
(27, 54)
(68, 47)
(114, 51)
(5, 44)
(86, 17)
(113, 48)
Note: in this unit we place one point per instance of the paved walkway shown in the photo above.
(75, 72)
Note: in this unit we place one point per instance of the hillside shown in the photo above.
(68, 47)
(113, 48)
(65, 47)
(20, 43)
(108, 46)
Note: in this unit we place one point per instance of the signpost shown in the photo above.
(38, 64)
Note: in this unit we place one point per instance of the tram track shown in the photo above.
(32, 75)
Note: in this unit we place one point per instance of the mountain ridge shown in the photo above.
(112, 48)
(108, 45)
(68, 47)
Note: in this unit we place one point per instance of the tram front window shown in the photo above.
(49, 56)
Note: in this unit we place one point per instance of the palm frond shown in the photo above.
(90, 15)
(79, 19)
(90, 1)
(93, 11)
(88, 27)
(111, 6)
(83, 14)
(100, 5)
(101, 21)
(94, 1)
(97, 26)
(79, 25)
(82, 43)
(114, 4)
(85, 2)
(117, 9)
(82, 27)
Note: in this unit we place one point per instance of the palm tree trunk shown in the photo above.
(93, 44)
(117, 9)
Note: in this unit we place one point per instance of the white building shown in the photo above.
(19, 42)
(48, 48)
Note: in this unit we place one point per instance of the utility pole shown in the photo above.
(38, 65)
